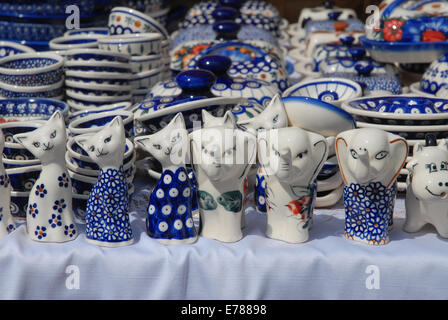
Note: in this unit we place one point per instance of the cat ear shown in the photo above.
(178, 121)
(206, 116)
(142, 141)
(20, 138)
(116, 122)
(81, 140)
(276, 102)
(57, 117)
(229, 120)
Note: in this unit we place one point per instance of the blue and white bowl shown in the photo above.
(23, 178)
(19, 204)
(96, 55)
(436, 76)
(14, 154)
(98, 66)
(9, 48)
(75, 114)
(112, 78)
(94, 123)
(32, 69)
(84, 31)
(145, 63)
(52, 91)
(89, 99)
(146, 79)
(331, 90)
(30, 31)
(97, 89)
(75, 42)
(140, 44)
(24, 109)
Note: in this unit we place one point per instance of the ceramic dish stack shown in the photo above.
(96, 77)
(82, 169)
(148, 43)
(33, 74)
(409, 116)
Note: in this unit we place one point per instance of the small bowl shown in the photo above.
(96, 87)
(32, 69)
(75, 42)
(125, 20)
(100, 77)
(82, 160)
(20, 162)
(106, 93)
(9, 48)
(145, 63)
(13, 151)
(23, 109)
(19, 204)
(48, 91)
(98, 66)
(85, 31)
(96, 55)
(331, 90)
(23, 178)
(94, 123)
(146, 79)
(92, 100)
(79, 111)
(141, 44)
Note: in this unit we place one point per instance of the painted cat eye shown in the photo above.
(36, 144)
(108, 139)
(53, 134)
(276, 152)
(444, 165)
(92, 148)
(381, 155)
(354, 154)
(275, 119)
(432, 167)
(157, 146)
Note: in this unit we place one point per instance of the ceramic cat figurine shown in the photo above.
(50, 214)
(228, 120)
(273, 117)
(370, 161)
(221, 160)
(7, 224)
(427, 187)
(169, 218)
(291, 159)
(107, 219)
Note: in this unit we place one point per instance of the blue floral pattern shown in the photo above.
(32, 210)
(368, 212)
(260, 193)
(170, 207)
(4, 180)
(41, 191)
(63, 180)
(107, 218)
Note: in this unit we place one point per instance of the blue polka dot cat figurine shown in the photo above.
(107, 219)
(50, 215)
(170, 219)
(370, 161)
(7, 224)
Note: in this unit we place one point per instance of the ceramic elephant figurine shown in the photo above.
(222, 158)
(291, 159)
(370, 161)
(427, 188)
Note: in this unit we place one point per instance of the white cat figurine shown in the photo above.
(169, 218)
(7, 224)
(107, 219)
(228, 120)
(50, 214)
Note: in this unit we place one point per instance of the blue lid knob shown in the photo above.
(334, 15)
(195, 83)
(357, 53)
(232, 3)
(347, 40)
(216, 64)
(364, 69)
(225, 13)
(226, 30)
(329, 4)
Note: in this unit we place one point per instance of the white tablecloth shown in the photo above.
(412, 266)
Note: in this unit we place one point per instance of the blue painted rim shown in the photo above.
(324, 105)
(402, 46)
(137, 16)
(325, 82)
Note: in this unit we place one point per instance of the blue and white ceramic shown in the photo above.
(31, 69)
(92, 100)
(96, 55)
(351, 25)
(331, 90)
(124, 20)
(9, 48)
(146, 79)
(30, 31)
(436, 76)
(133, 44)
(19, 204)
(145, 63)
(52, 91)
(23, 109)
(45, 8)
(413, 132)
(84, 31)
(22, 179)
(75, 42)
(83, 184)
(99, 66)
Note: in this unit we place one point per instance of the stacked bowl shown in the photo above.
(146, 40)
(34, 74)
(82, 169)
(95, 77)
(409, 116)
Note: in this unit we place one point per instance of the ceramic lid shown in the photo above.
(349, 25)
(436, 76)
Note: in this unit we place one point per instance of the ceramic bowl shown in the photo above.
(93, 123)
(99, 77)
(31, 69)
(95, 100)
(331, 90)
(75, 114)
(9, 48)
(140, 44)
(48, 91)
(19, 204)
(23, 109)
(96, 55)
(329, 198)
(145, 63)
(124, 20)
(436, 76)
(75, 42)
(82, 160)
(409, 132)
(14, 151)
(84, 31)
(98, 66)
(146, 79)
(97, 89)
(30, 31)
(317, 116)
(23, 178)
